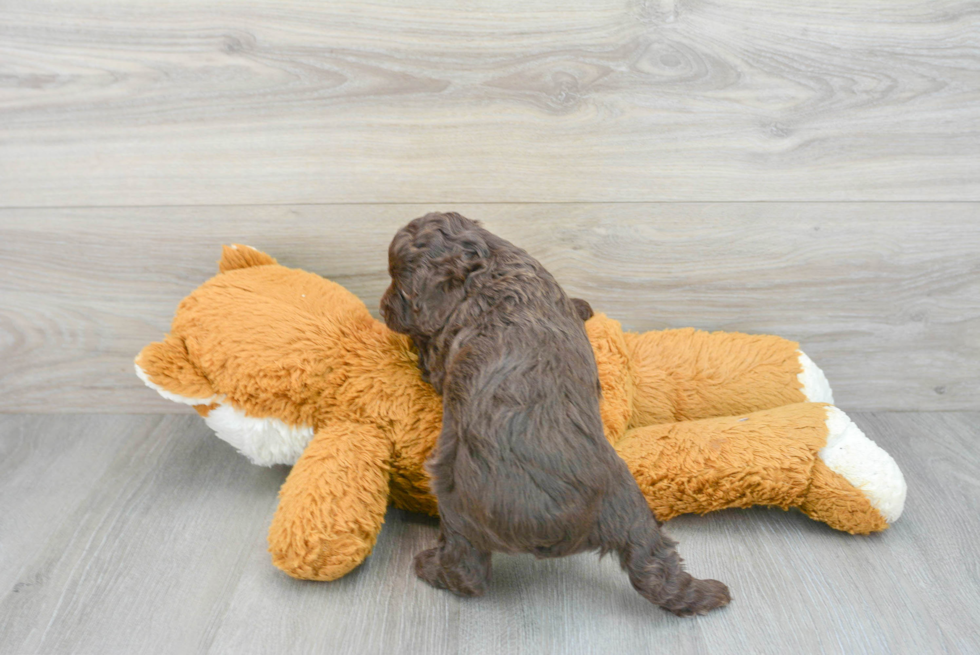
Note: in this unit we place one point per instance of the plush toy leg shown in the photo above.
(803, 455)
(851, 469)
(688, 374)
(333, 503)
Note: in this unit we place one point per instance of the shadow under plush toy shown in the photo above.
(290, 368)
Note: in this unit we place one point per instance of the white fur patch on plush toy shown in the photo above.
(814, 383)
(264, 441)
(864, 464)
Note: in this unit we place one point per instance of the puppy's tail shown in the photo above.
(238, 256)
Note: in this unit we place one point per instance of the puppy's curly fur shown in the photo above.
(521, 465)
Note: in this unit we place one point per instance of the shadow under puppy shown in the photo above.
(521, 464)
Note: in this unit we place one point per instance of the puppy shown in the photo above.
(521, 464)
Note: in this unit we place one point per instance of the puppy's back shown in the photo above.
(531, 464)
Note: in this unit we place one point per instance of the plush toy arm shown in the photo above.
(690, 374)
(806, 455)
(333, 503)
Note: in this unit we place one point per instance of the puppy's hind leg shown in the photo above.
(650, 559)
(454, 564)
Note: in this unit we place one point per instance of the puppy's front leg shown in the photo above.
(455, 563)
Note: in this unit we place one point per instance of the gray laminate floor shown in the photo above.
(145, 534)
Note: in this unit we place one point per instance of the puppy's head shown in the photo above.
(432, 261)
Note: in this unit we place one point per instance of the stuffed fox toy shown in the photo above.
(290, 368)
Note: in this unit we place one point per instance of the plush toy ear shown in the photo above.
(238, 256)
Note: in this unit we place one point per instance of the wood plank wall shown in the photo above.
(811, 170)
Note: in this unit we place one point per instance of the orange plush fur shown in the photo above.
(292, 368)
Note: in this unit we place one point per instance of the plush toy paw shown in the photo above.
(321, 557)
(855, 482)
(855, 485)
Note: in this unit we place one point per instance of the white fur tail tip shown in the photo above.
(864, 464)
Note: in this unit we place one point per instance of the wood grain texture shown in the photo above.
(884, 296)
(151, 539)
(143, 523)
(104, 102)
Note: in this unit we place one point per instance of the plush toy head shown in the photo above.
(290, 368)
(268, 354)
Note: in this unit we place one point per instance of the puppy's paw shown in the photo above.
(700, 597)
(429, 569)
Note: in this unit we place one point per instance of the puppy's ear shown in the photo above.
(467, 257)
(435, 296)
(440, 285)
(582, 308)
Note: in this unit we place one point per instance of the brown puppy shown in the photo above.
(521, 465)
